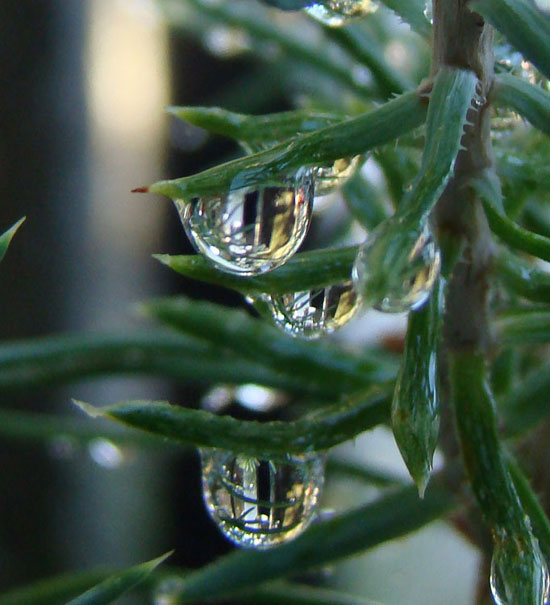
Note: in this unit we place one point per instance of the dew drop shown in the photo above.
(519, 573)
(258, 398)
(396, 269)
(311, 313)
(329, 178)
(260, 503)
(252, 229)
(479, 101)
(336, 13)
(106, 453)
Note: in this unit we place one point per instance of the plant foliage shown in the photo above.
(420, 130)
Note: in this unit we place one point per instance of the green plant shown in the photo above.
(464, 360)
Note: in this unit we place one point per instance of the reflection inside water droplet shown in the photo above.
(106, 453)
(261, 503)
(253, 229)
(396, 269)
(332, 177)
(519, 572)
(259, 398)
(339, 12)
(311, 313)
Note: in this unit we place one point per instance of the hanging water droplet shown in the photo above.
(397, 266)
(259, 398)
(329, 178)
(251, 229)
(261, 503)
(338, 12)
(519, 573)
(106, 453)
(311, 313)
(479, 101)
(429, 11)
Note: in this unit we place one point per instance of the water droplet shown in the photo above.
(397, 266)
(429, 11)
(479, 101)
(338, 12)
(519, 573)
(329, 178)
(259, 398)
(311, 313)
(106, 453)
(261, 503)
(252, 229)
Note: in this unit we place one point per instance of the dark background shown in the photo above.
(59, 510)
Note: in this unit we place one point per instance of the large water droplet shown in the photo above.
(258, 398)
(332, 177)
(311, 313)
(338, 12)
(253, 229)
(261, 503)
(106, 453)
(519, 573)
(397, 266)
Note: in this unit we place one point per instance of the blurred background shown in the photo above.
(82, 122)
